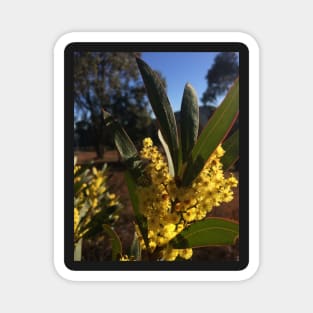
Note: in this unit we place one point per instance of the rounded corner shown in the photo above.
(64, 42)
(249, 41)
(63, 271)
(249, 271)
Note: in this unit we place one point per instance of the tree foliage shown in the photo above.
(221, 75)
(110, 81)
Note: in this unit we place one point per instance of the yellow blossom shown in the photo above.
(169, 254)
(185, 253)
(190, 215)
(76, 218)
(147, 142)
(91, 196)
(169, 209)
(124, 258)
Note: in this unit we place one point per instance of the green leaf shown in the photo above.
(78, 250)
(123, 143)
(168, 154)
(115, 242)
(213, 134)
(135, 250)
(140, 218)
(162, 109)
(126, 148)
(85, 179)
(78, 186)
(189, 120)
(209, 232)
(94, 227)
(231, 147)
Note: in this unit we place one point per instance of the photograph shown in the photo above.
(155, 156)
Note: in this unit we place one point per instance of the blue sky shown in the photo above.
(179, 68)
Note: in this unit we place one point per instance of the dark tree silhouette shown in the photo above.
(110, 81)
(220, 76)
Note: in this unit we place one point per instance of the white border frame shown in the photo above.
(59, 48)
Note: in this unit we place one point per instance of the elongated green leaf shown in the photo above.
(127, 149)
(167, 153)
(94, 227)
(209, 232)
(78, 250)
(115, 242)
(231, 147)
(189, 120)
(123, 143)
(213, 134)
(140, 218)
(162, 109)
(135, 250)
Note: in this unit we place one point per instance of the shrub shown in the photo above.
(171, 197)
(95, 207)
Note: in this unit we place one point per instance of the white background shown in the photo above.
(29, 30)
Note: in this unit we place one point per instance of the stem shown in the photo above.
(78, 250)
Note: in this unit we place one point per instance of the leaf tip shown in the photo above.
(188, 85)
(105, 114)
(140, 62)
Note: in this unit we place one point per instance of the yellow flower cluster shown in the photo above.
(169, 209)
(126, 258)
(95, 188)
(76, 219)
(90, 196)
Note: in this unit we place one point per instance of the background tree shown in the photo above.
(221, 75)
(110, 80)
